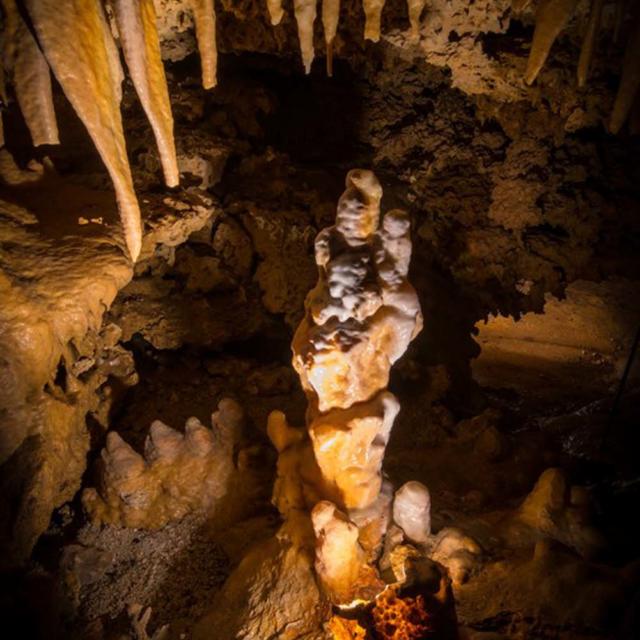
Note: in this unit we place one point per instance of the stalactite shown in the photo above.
(620, 11)
(520, 5)
(330, 16)
(30, 75)
(139, 38)
(634, 119)
(551, 18)
(589, 42)
(3, 102)
(629, 82)
(305, 12)
(275, 11)
(372, 16)
(77, 43)
(204, 15)
(415, 7)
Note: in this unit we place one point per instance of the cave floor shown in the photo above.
(478, 470)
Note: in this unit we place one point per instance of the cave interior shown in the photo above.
(222, 223)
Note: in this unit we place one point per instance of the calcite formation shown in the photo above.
(589, 42)
(180, 473)
(415, 8)
(30, 75)
(141, 47)
(275, 11)
(551, 18)
(204, 17)
(372, 17)
(330, 17)
(305, 12)
(78, 45)
(359, 320)
(341, 561)
(412, 511)
(76, 41)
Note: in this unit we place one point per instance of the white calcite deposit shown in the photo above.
(359, 320)
(412, 511)
(180, 473)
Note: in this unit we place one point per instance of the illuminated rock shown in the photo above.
(415, 8)
(299, 482)
(373, 15)
(78, 45)
(305, 12)
(30, 74)
(551, 18)
(179, 473)
(141, 47)
(363, 312)
(341, 563)
(373, 521)
(349, 446)
(412, 511)
(554, 510)
(458, 552)
(275, 11)
(359, 320)
(330, 16)
(204, 16)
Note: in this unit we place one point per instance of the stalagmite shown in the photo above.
(359, 320)
(30, 75)
(551, 18)
(204, 16)
(340, 560)
(412, 511)
(139, 38)
(275, 11)
(305, 12)
(629, 82)
(589, 42)
(372, 16)
(180, 473)
(415, 7)
(349, 446)
(330, 16)
(78, 45)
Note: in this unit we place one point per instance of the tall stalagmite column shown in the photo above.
(359, 320)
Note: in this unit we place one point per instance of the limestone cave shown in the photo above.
(320, 319)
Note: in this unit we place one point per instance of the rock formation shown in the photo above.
(412, 511)
(29, 73)
(139, 39)
(179, 473)
(359, 320)
(60, 359)
(77, 37)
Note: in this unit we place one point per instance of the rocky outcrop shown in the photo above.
(272, 594)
